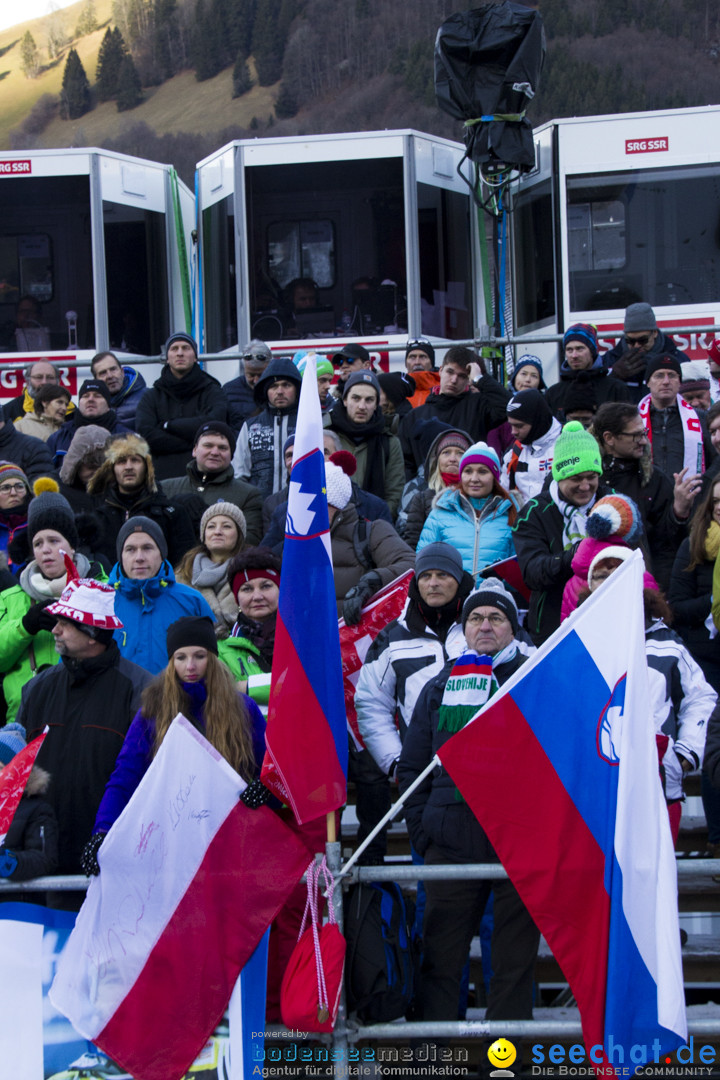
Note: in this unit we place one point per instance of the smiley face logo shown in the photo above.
(502, 1054)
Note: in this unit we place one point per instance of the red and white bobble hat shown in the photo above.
(88, 602)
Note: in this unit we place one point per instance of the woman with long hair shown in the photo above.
(196, 684)
(205, 567)
(439, 472)
(477, 515)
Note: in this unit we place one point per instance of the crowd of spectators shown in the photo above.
(141, 536)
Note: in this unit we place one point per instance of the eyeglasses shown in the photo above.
(494, 620)
(636, 436)
(642, 340)
(6, 489)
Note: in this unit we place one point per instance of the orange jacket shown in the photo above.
(424, 382)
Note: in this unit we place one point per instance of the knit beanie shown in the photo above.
(324, 367)
(365, 377)
(12, 741)
(397, 386)
(688, 386)
(191, 630)
(530, 407)
(51, 510)
(612, 551)
(615, 516)
(492, 593)
(180, 335)
(579, 396)
(420, 345)
(338, 486)
(481, 454)
(586, 333)
(288, 444)
(664, 362)
(144, 525)
(9, 471)
(576, 451)
(97, 386)
(528, 360)
(224, 509)
(216, 427)
(439, 556)
(639, 317)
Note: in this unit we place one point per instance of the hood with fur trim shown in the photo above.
(121, 447)
(38, 782)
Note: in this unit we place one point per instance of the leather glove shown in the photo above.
(631, 365)
(8, 862)
(359, 595)
(256, 794)
(37, 618)
(88, 859)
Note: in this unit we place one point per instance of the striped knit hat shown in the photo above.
(585, 333)
(617, 517)
(8, 471)
(481, 454)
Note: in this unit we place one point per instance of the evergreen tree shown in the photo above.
(242, 79)
(110, 57)
(205, 52)
(129, 90)
(267, 43)
(29, 56)
(286, 104)
(75, 93)
(87, 22)
(166, 48)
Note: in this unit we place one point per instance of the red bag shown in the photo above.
(310, 992)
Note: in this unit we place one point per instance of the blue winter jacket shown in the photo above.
(481, 538)
(125, 402)
(146, 608)
(136, 753)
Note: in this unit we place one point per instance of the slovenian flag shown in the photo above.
(561, 770)
(190, 880)
(306, 738)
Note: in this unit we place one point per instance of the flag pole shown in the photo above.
(392, 812)
(331, 834)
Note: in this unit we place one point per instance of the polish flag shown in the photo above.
(190, 879)
(13, 779)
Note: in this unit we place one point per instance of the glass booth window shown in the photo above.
(302, 249)
(446, 288)
(219, 279)
(136, 275)
(651, 235)
(534, 271)
(45, 262)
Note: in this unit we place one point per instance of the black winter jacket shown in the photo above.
(690, 597)
(33, 833)
(114, 509)
(88, 706)
(653, 493)
(32, 455)
(603, 387)
(434, 813)
(169, 414)
(545, 567)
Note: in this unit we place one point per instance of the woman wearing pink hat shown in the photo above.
(476, 516)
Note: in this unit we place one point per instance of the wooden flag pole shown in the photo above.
(331, 835)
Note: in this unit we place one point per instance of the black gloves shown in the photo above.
(88, 859)
(358, 596)
(37, 618)
(630, 366)
(255, 794)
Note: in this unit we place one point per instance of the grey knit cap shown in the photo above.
(639, 317)
(439, 556)
(492, 593)
(224, 509)
(145, 525)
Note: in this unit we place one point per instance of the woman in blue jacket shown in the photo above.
(477, 516)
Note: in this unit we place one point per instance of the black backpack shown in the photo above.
(380, 964)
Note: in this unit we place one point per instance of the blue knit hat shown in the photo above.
(528, 361)
(586, 333)
(12, 741)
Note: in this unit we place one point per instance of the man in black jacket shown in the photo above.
(443, 829)
(30, 454)
(88, 701)
(258, 456)
(93, 408)
(641, 342)
(124, 486)
(171, 411)
(467, 398)
(628, 468)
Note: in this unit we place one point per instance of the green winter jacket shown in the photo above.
(243, 659)
(23, 655)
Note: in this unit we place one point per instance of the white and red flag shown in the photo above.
(13, 780)
(190, 879)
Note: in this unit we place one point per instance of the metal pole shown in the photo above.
(340, 1033)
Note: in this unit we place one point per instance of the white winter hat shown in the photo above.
(88, 602)
(338, 484)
